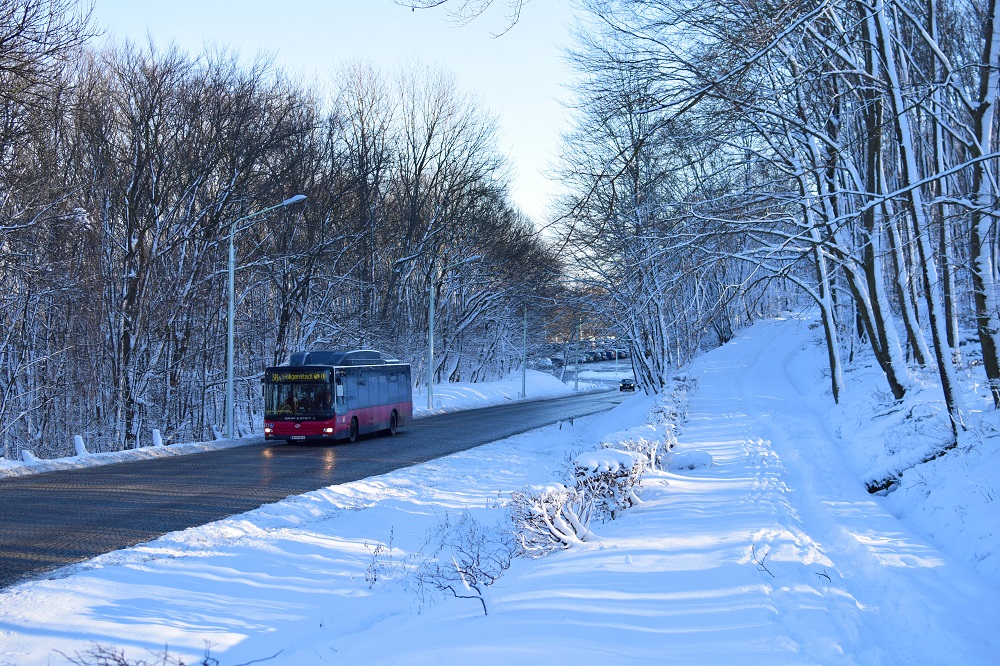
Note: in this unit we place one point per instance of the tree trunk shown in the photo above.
(910, 177)
(982, 222)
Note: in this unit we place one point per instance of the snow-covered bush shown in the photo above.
(556, 516)
(651, 443)
(673, 409)
(604, 483)
(547, 518)
(609, 477)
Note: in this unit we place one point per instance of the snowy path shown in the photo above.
(780, 483)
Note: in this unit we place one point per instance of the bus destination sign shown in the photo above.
(299, 376)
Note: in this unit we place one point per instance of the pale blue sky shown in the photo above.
(519, 76)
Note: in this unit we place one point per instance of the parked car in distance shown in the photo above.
(626, 385)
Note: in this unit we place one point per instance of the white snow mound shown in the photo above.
(689, 460)
(606, 460)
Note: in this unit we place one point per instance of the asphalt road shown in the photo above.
(605, 373)
(59, 518)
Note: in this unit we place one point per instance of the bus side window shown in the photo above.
(393, 381)
(364, 389)
(372, 380)
(351, 383)
(383, 390)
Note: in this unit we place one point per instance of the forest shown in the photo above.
(726, 162)
(741, 158)
(127, 168)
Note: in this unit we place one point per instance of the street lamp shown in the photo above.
(524, 355)
(232, 304)
(576, 371)
(430, 329)
(524, 343)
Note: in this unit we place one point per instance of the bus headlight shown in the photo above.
(327, 431)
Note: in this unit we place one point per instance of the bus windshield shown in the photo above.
(309, 399)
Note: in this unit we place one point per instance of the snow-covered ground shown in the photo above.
(772, 553)
(464, 395)
(447, 398)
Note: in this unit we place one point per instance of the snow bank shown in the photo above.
(689, 460)
(625, 370)
(466, 395)
(11, 468)
(952, 498)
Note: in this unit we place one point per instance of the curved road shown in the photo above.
(54, 519)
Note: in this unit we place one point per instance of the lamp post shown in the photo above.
(430, 348)
(524, 342)
(576, 372)
(524, 355)
(430, 328)
(232, 304)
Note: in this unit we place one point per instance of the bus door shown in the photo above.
(340, 391)
(346, 390)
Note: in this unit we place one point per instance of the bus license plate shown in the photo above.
(298, 436)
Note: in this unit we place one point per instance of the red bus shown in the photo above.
(336, 395)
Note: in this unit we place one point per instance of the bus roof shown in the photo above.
(341, 357)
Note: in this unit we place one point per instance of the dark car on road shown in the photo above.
(626, 385)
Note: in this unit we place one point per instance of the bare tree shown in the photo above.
(465, 11)
(820, 158)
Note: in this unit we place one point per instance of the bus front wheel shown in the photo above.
(353, 434)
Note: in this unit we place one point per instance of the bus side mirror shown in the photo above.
(340, 390)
